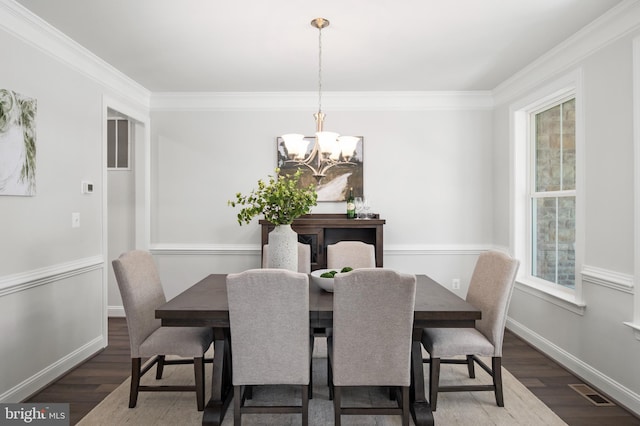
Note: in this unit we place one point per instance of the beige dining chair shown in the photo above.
(304, 257)
(490, 291)
(355, 254)
(371, 305)
(271, 340)
(141, 291)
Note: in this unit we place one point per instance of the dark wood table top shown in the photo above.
(205, 304)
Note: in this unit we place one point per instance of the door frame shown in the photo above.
(141, 136)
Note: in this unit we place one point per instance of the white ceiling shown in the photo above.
(371, 45)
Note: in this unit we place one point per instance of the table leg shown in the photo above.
(420, 408)
(221, 389)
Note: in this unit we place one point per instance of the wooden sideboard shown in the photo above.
(320, 230)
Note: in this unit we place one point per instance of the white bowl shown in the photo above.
(325, 283)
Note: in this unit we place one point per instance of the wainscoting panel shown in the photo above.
(53, 319)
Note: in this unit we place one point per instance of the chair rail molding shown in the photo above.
(254, 249)
(208, 249)
(435, 249)
(37, 277)
(606, 278)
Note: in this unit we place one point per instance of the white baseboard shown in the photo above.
(621, 394)
(115, 311)
(33, 384)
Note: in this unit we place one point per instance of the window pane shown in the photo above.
(569, 145)
(111, 143)
(566, 241)
(123, 144)
(548, 139)
(553, 248)
(555, 166)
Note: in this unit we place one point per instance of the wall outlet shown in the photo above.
(455, 283)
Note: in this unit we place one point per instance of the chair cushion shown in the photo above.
(450, 342)
(188, 342)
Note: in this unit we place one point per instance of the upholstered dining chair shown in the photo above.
(271, 340)
(304, 257)
(371, 305)
(490, 290)
(141, 291)
(355, 254)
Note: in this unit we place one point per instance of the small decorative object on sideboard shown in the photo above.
(351, 205)
(324, 277)
(281, 201)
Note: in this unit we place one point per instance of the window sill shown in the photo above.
(636, 328)
(558, 297)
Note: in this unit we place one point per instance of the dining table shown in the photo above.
(205, 304)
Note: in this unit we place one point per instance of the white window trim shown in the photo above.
(635, 323)
(567, 85)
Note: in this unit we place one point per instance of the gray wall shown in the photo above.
(52, 276)
(596, 344)
(439, 172)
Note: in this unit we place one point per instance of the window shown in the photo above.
(117, 144)
(553, 193)
(547, 216)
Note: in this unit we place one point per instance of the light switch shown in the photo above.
(75, 220)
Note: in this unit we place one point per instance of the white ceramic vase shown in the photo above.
(283, 248)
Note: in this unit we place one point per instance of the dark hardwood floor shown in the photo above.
(85, 386)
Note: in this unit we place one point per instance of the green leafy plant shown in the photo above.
(280, 200)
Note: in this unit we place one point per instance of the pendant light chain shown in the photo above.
(320, 70)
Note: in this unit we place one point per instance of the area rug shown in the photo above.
(456, 408)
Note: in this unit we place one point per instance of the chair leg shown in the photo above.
(237, 398)
(160, 367)
(471, 366)
(305, 405)
(434, 379)
(311, 379)
(405, 406)
(198, 369)
(497, 379)
(135, 381)
(312, 343)
(336, 405)
(330, 378)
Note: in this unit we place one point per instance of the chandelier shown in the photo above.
(329, 149)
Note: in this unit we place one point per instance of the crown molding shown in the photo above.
(37, 33)
(336, 101)
(611, 26)
(24, 25)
